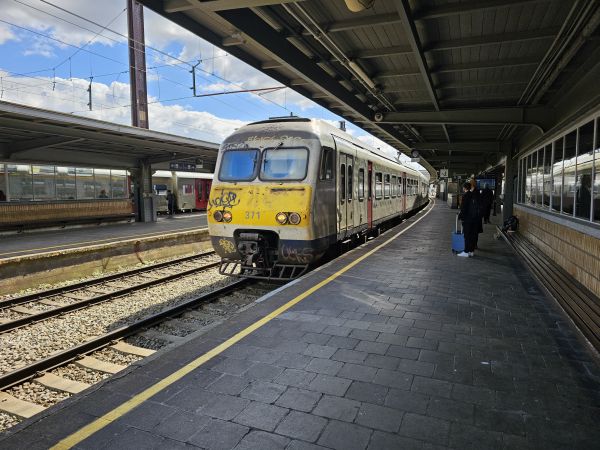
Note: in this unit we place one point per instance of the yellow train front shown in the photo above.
(287, 190)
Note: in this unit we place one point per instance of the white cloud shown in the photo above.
(6, 34)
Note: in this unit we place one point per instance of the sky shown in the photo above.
(52, 51)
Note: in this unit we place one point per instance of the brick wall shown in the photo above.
(576, 252)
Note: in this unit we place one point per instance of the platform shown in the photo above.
(51, 256)
(398, 344)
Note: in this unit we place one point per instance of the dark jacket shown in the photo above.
(469, 210)
(487, 197)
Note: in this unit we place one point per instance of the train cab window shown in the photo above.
(342, 183)
(327, 164)
(239, 165)
(394, 186)
(378, 185)
(361, 184)
(386, 187)
(350, 186)
(284, 164)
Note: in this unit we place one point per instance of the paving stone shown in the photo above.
(262, 371)
(337, 408)
(218, 435)
(429, 386)
(379, 348)
(299, 399)
(147, 415)
(379, 417)
(181, 425)
(357, 372)
(326, 366)
(452, 410)
(391, 338)
(291, 346)
(429, 344)
(222, 406)
(364, 335)
(295, 377)
(299, 425)
(262, 416)
(337, 331)
(367, 392)
(263, 391)
(233, 366)
(357, 324)
(469, 437)
(329, 385)
(407, 401)
(315, 338)
(229, 384)
(320, 351)
(350, 356)
(383, 327)
(300, 445)
(344, 436)
(381, 362)
(264, 441)
(387, 441)
(403, 352)
(425, 428)
(435, 357)
(134, 438)
(416, 367)
(473, 394)
(293, 361)
(392, 378)
(343, 342)
(511, 422)
(189, 399)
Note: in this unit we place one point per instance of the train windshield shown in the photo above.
(239, 165)
(284, 164)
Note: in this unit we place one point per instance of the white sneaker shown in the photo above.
(471, 254)
(463, 254)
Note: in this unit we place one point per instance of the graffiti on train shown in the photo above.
(299, 255)
(226, 200)
(227, 245)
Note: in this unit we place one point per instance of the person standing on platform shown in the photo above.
(170, 202)
(487, 198)
(2, 196)
(471, 219)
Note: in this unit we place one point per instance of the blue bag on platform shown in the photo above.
(458, 239)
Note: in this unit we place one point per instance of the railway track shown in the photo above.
(20, 311)
(48, 373)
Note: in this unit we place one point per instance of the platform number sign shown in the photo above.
(187, 167)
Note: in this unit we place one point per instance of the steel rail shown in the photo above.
(89, 283)
(27, 320)
(25, 373)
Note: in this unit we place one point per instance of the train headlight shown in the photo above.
(218, 216)
(227, 216)
(281, 218)
(294, 218)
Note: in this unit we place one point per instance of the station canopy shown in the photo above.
(40, 136)
(451, 80)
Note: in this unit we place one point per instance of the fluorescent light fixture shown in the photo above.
(361, 74)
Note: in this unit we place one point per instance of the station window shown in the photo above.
(386, 186)
(65, 183)
(102, 183)
(327, 164)
(378, 185)
(44, 187)
(596, 183)
(557, 167)
(118, 182)
(583, 183)
(547, 176)
(361, 184)
(3, 188)
(20, 182)
(394, 186)
(569, 167)
(350, 186)
(342, 183)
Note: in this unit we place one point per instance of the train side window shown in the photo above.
(350, 178)
(378, 185)
(394, 186)
(327, 164)
(386, 187)
(187, 189)
(370, 185)
(342, 183)
(399, 186)
(361, 184)
(199, 191)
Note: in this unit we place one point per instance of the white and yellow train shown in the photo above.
(286, 190)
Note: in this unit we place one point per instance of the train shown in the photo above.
(288, 190)
(191, 190)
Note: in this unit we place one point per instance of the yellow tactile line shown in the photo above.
(109, 240)
(121, 410)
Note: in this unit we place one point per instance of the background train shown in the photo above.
(287, 190)
(191, 189)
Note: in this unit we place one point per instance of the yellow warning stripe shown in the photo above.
(138, 399)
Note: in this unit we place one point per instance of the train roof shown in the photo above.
(320, 127)
(197, 175)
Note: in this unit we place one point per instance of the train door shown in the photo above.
(370, 195)
(403, 192)
(200, 195)
(350, 200)
(342, 206)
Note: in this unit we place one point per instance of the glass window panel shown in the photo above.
(394, 186)
(361, 184)
(539, 177)
(528, 179)
(187, 189)
(118, 184)
(569, 173)
(387, 186)
(3, 187)
(65, 183)
(596, 185)
(350, 179)
(342, 182)
(44, 187)
(102, 183)
(20, 182)
(378, 185)
(327, 164)
(557, 165)
(85, 183)
(585, 158)
(547, 176)
(284, 164)
(239, 165)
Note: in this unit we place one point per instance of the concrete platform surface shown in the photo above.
(411, 348)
